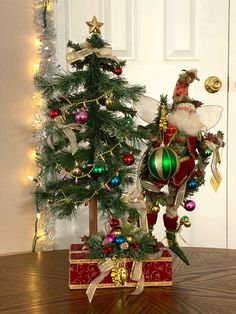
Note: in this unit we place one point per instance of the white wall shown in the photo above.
(16, 117)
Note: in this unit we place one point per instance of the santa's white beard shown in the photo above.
(187, 122)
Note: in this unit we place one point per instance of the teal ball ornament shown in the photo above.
(163, 163)
(119, 240)
(192, 184)
(116, 181)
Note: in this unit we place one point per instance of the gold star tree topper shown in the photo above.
(94, 25)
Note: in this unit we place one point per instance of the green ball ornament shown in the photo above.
(129, 121)
(208, 152)
(99, 170)
(163, 163)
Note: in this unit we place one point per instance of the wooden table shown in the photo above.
(38, 283)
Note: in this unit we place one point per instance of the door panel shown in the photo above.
(159, 39)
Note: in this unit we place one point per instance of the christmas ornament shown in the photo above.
(135, 246)
(187, 224)
(119, 274)
(99, 170)
(55, 113)
(114, 223)
(107, 250)
(119, 240)
(108, 239)
(155, 208)
(129, 121)
(124, 246)
(128, 159)
(163, 163)
(81, 117)
(118, 71)
(116, 232)
(108, 101)
(94, 25)
(130, 239)
(192, 184)
(116, 181)
(183, 219)
(50, 201)
(189, 205)
(198, 173)
(76, 171)
(208, 152)
(163, 119)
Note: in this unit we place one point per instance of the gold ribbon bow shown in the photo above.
(216, 175)
(105, 52)
(137, 275)
(105, 268)
(68, 130)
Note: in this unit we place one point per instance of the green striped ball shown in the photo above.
(163, 163)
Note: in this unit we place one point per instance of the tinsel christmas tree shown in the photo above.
(91, 141)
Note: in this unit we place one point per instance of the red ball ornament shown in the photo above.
(118, 71)
(107, 250)
(55, 113)
(136, 246)
(198, 173)
(114, 223)
(128, 159)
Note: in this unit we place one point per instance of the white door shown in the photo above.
(159, 39)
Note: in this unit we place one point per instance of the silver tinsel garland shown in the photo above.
(44, 237)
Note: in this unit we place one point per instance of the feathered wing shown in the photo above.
(146, 108)
(210, 116)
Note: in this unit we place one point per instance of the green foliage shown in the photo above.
(102, 141)
(139, 248)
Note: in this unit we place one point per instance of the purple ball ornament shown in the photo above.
(108, 239)
(189, 205)
(81, 117)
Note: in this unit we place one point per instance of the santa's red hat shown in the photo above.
(181, 88)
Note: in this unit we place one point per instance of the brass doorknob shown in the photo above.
(213, 84)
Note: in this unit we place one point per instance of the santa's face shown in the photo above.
(186, 119)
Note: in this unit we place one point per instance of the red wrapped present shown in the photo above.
(155, 271)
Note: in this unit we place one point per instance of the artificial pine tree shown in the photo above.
(91, 141)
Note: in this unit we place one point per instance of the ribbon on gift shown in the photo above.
(105, 269)
(105, 52)
(68, 130)
(137, 275)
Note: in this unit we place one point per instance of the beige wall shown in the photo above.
(16, 117)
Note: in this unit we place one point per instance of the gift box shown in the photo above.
(157, 271)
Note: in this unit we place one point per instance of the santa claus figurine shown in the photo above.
(173, 166)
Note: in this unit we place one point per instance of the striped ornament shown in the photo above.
(163, 163)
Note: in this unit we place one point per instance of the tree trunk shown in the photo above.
(93, 216)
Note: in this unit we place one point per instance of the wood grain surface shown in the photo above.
(38, 283)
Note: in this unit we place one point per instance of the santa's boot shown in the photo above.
(171, 226)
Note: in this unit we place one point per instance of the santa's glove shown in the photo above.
(171, 226)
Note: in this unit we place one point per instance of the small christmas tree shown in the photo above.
(91, 141)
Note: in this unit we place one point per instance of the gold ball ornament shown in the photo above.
(187, 224)
(130, 239)
(108, 102)
(155, 208)
(76, 171)
(117, 232)
(50, 201)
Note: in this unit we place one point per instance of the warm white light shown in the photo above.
(38, 215)
(30, 178)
